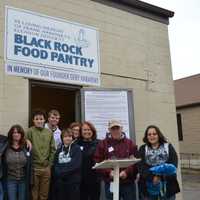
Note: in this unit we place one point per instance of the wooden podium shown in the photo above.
(115, 165)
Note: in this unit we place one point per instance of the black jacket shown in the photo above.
(3, 145)
(88, 149)
(172, 183)
(69, 172)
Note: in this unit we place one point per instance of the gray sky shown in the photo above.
(184, 35)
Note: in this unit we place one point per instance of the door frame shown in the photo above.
(76, 88)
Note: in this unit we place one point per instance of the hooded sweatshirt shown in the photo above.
(67, 164)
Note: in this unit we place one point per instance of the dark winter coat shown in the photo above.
(3, 145)
(88, 149)
(172, 186)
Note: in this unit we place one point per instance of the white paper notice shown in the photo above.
(102, 106)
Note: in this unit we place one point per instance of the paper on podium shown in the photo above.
(122, 163)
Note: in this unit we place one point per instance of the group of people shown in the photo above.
(47, 163)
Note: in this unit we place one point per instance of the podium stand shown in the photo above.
(115, 165)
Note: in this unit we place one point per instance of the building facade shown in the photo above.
(134, 53)
(133, 45)
(188, 113)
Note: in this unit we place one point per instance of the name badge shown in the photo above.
(110, 149)
(81, 147)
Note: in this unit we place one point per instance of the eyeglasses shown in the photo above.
(86, 129)
(152, 134)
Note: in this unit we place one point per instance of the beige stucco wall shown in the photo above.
(191, 128)
(130, 46)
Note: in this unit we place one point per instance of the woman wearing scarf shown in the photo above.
(157, 152)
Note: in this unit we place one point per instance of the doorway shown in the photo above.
(62, 97)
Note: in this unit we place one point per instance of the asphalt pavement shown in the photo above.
(191, 185)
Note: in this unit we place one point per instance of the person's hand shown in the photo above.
(123, 175)
(156, 180)
(29, 145)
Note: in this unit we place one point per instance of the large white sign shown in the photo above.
(48, 48)
(102, 106)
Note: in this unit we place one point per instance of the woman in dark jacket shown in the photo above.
(90, 184)
(157, 151)
(17, 165)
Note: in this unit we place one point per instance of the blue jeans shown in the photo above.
(126, 191)
(16, 190)
(1, 191)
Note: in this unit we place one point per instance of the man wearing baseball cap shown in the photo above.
(117, 146)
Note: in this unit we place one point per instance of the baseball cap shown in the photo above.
(113, 123)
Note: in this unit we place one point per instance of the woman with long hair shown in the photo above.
(90, 182)
(157, 152)
(17, 163)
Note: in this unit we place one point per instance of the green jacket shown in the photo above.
(43, 149)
